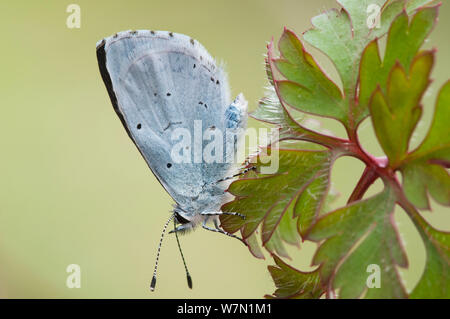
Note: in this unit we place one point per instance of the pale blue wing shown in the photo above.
(158, 82)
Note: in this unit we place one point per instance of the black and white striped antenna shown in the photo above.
(153, 284)
(189, 279)
(188, 276)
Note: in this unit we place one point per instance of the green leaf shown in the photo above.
(292, 283)
(286, 231)
(343, 35)
(275, 244)
(425, 169)
(267, 200)
(435, 281)
(253, 246)
(308, 206)
(289, 206)
(356, 236)
(404, 40)
(307, 88)
(270, 110)
(396, 113)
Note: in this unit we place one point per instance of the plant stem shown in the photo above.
(367, 178)
(375, 167)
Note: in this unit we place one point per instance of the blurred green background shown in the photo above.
(73, 187)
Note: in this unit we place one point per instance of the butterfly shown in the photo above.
(169, 94)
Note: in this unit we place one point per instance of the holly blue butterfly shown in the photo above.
(162, 84)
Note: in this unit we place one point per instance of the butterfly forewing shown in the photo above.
(160, 82)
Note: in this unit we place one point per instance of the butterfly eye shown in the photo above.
(169, 165)
(139, 126)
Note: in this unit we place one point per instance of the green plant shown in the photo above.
(290, 206)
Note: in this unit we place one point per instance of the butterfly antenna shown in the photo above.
(153, 284)
(189, 279)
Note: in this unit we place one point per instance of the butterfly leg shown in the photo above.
(222, 213)
(219, 230)
(243, 172)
